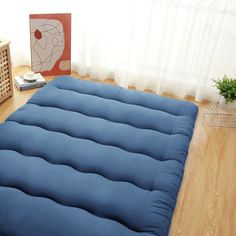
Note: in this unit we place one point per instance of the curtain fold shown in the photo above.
(167, 46)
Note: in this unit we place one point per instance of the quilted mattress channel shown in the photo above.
(81, 160)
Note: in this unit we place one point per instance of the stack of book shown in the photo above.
(22, 82)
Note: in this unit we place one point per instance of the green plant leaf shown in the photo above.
(227, 88)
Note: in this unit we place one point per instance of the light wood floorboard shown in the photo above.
(206, 203)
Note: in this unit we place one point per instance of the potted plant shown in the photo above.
(227, 90)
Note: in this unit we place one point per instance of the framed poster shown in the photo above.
(50, 43)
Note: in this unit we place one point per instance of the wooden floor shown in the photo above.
(206, 204)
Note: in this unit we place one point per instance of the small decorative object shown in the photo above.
(6, 88)
(29, 80)
(50, 38)
(227, 89)
(217, 117)
(30, 76)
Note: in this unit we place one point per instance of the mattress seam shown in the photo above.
(57, 202)
(89, 172)
(62, 133)
(92, 94)
(153, 157)
(122, 123)
(74, 169)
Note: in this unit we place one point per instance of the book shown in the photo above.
(23, 84)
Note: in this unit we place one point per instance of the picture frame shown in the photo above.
(50, 43)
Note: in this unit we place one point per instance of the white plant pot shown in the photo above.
(230, 106)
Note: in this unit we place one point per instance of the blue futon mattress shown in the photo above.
(88, 159)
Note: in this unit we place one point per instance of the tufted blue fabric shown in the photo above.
(88, 159)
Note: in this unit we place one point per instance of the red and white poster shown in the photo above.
(50, 39)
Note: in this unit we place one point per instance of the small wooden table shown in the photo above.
(6, 89)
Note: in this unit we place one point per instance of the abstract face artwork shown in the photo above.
(50, 37)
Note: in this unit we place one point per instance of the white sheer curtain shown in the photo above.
(166, 46)
(173, 46)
